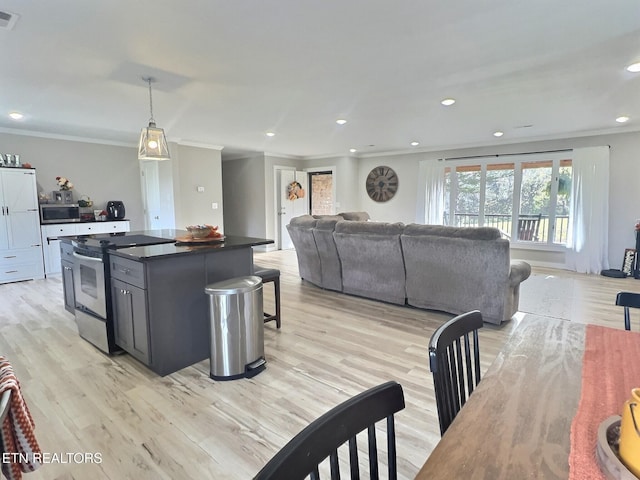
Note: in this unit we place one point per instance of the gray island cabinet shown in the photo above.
(160, 309)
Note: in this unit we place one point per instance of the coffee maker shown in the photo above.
(115, 210)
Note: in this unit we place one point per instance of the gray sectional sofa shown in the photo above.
(426, 266)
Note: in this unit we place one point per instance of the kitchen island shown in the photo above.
(159, 310)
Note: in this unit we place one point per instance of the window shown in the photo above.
(527, 197)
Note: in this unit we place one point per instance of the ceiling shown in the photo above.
(230, 71)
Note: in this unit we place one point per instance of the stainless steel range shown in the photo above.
(92, 280)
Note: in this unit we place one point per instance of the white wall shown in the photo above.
(244, 196)
(624, 200)
(195, 167)
(271, 161)
(108, 172)
(402, 207)
(102, 172)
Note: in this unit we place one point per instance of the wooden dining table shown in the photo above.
(517, 423)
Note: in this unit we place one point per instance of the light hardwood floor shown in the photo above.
(186, 426)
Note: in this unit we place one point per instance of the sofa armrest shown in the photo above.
(520, 271)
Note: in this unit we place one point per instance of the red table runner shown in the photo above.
(610, 369)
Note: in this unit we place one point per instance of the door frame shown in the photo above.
(333, 171)
(277, 197)
(276, 193)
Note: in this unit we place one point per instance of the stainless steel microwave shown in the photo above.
(59, 212)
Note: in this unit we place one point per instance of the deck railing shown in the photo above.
(503, 223)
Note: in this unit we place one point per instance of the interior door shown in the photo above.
(151, 195)
(284, 208)
(300, 206)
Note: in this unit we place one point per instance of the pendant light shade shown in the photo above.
(153, 143)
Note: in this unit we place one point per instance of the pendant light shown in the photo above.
(153, 143)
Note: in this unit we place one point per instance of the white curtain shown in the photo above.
(434, 200)
(588, 249)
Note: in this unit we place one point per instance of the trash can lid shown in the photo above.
(234, 286)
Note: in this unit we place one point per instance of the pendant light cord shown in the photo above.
(151, 120)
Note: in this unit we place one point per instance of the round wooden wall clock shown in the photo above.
(382, 184)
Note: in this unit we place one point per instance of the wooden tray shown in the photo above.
(607, 450)
(191, 241)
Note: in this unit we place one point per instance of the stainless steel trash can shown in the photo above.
(237, 328)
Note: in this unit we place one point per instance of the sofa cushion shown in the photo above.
(303, 221)
(370, 228)
(457, 275)
(472, 233)
(355, 216)
(328, 217)
(301, 232)
(371, 258)
(329, 259)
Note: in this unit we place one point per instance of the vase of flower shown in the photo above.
(64, 183)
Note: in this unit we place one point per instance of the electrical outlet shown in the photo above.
(200, 189)
(214, 206)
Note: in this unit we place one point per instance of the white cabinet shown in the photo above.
(51, 244)
(20, 242)
(51, 234)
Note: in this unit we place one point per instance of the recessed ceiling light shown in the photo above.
(448, 102)
(634, 67)
(16, 115)
(415, 144)
(498, 133)
(270, 134)
(353, 150)
(622, 119)
(341, 121)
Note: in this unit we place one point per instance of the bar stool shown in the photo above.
(270, 275)
(626, 300)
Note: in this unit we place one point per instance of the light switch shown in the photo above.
(200, 189)
(214, 206)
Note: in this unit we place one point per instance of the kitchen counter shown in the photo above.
(154, 252)
(53, 233)
(88, 220)
(93, 220)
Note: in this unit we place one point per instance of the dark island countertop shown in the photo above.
(151, 252)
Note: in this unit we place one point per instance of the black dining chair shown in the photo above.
(626, 300)
(303, 455)
(454, 359)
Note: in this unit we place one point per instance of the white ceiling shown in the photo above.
(229, 71)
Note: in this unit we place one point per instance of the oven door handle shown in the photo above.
(82, 257)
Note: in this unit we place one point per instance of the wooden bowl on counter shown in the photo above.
(199, 231)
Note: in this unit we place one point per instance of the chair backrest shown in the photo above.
(528, 226)
(5, 404)
(456, 370)
(302, 456)
(626, 300)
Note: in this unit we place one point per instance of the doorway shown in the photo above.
(157, 194)
(287, 206)
(321, 193)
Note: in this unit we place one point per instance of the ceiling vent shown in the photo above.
(8, 20)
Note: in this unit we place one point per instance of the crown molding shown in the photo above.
(513, 141)
(70, 138)
(284, 155)
(193, 143)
